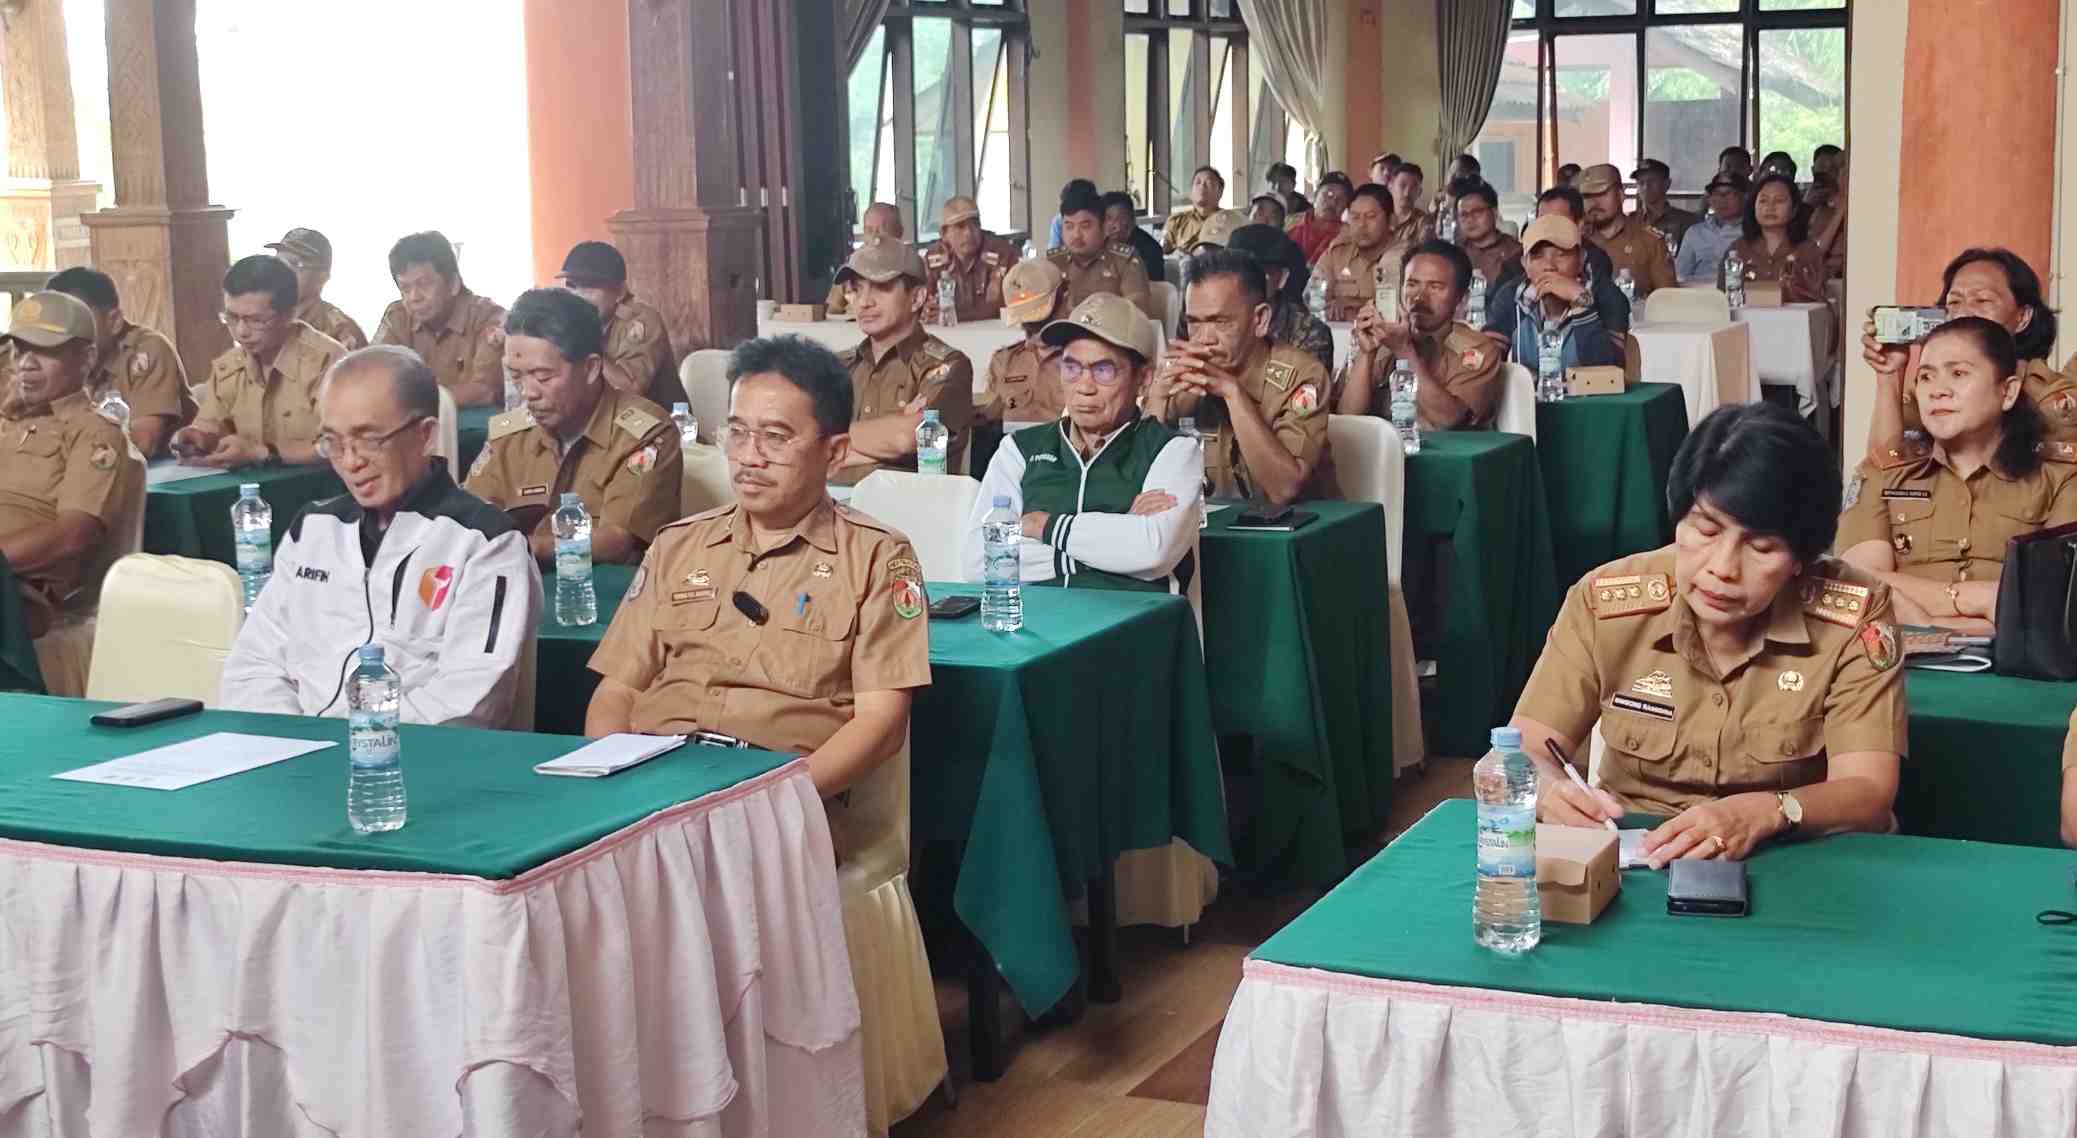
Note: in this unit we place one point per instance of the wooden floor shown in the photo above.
(1140, 1068)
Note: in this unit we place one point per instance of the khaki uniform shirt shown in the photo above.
(920, 364)
(279, 408)
(1411, 229)
(1179, 232)
(626, 466)
(1820, 677)
(1943, 527)
(1798, 269)
(1636, 248)
(977, 286)
(1668, 221)
(1291, 388)
(2054, 394)
(845, 602)
(1023, 385)
(1465, 366)
(58, 457)
(1498, 257)
(142, 365)
(328, 318)
(1351, 274)
(638, 342)
(838, 302)
(1115, 268)
(467, 347)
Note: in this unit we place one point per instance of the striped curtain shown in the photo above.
(1470, 42)
(1291, 38)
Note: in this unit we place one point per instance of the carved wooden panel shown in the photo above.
(41, 139)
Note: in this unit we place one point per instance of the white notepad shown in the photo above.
(602, 757)
(196, 761)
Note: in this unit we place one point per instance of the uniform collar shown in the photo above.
(457, 315)
(818, 528)
(901, 347)
(62, 405)
(1784, 623)
(1938, 456)
(598, 429)
(625, 309)
(288, 346)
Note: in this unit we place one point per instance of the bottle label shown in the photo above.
(573, 560)
(1506, 841)
(255, 556)
(369, 741)
(930, 462)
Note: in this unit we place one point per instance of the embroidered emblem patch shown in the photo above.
(141, 363)
(1306, 399)
(635, 330)
(1880, 640)
(1279, 375)
(1471, 358)
(905, 580)
(1658, 685)
(642, 461)
(634, 587)
(698, 577)
(1790, 681)
(823, 569)
(103, 457)
(1853, 492)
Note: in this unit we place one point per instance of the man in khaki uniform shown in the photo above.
(638, 355)
(1351, 263)
(1409, 223)
(67, 471)
(259, 403)
(1457, 367)
(309, 253)
(1653, 211)
(460, 335)
(899, 370)
(881, 220)
(1217, 231)
(1493, 253)
(974, 258)
(577, 434)
(1260, 407)
(1089, 265)
(1629, 244)
(134, 361)
(1024, 377)
(1179, 233)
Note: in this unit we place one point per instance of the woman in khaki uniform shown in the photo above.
(1745, 684)
(1932, 521)
(1776, 248)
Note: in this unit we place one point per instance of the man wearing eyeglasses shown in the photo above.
(405, 559)
(577, 433)
(309, 253)
(782, 621)
(899, 370)
(259, 404)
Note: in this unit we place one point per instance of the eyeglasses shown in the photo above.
(233, 320)
(773, 445)
(1106, 373)
(331, 446)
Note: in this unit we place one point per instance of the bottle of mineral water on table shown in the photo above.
(1002, 568)
(1734, 279)
(252, 528)
(1475, 301)
(1626, 283)
(374, 756)
(575, 601)
(1550, 367)
(948, 301)
(932, 437)
(1506, 914)
(1406, 406)
(688, 427)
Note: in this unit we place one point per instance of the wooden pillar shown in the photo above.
(691, 244)
(163, 242)
(42, 201)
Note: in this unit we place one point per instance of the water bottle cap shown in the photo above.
(930, 415)
(678, 407)
(1002, 501)
(1507, 737)
(248, 489)
(572, 498)
(369, 653)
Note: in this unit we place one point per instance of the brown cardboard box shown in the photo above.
(1576, 874)
(1762, 294)
(798, 313)
(1607, 380)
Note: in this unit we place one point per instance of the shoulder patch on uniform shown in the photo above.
(642, 461)
(1306, 399)
(1630, 595)
(140, 362)
(1852, 497)
(636, 421)
(936, 349)
(509, 423)
(1905, 453)
(1059, 254)
(1834, 602)
(935, 259)
(636, 330)
(103, 457)
(1124, 250)
(2057, 452)
(905, 581)
(1279, 374)
(1879, 640)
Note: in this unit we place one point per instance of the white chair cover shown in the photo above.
(705, 376)
(167, 624)
(448, 445)
(1169, 299)
(66, 652)
(1370, 460)
(1517, 401)
(1687, 306)
(704, 484)
(928, 509)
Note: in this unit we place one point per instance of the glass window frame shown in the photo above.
(1160, 128)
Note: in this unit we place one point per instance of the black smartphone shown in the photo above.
(952, 608)
(139, 714)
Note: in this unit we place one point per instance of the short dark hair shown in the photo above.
(1118, 199)
(2023, 428)
(1336, 177)
(1282, 170)
(1727, 151)
(805, 364)
(1074, 188)
(1825, 150)
(1799, 218)
(1480, 189)
(428, 248)
(1460, 261)
(1083, 201)
(1390, 159)
(94, 287)
(1573, 167)
(413, 383)
(263, 272)
(2036, 341)
(1376, 193)
(1413, 168)
(1456, 187)
(1766, 468)
(1570, 196)
(1212, 170)
(549, 314)
(1468, 163)
(1270, 200)
(1242, 267)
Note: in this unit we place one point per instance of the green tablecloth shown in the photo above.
(1482, 491)
(1605, 460)
(1986, 758)
(562, 681)
(192, 518)
(1914, 934)
(1298, 650)
(19, 670)
(477, 807)
(472, 431)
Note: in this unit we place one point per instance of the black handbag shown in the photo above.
(2037, 607)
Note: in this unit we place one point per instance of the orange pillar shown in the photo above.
(1364, 92)
(579, 138)
(1978, 157)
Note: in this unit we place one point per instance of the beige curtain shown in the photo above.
(1291, 38)
(1471, 39)
(861, 19)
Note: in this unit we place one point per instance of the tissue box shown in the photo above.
(798, 313)
(1762, 294)
(1607, 380)
(1576, 873)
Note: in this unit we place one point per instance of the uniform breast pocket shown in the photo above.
(2014, 521)
(684, 627)
(1644, 741)
(40, 465)
(808, 653)
(1787, 753)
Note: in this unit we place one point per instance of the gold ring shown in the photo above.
(1721, 845)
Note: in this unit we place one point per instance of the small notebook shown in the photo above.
(602, 757)
(1282, 523)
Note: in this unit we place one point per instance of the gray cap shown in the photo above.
(1110, 318)
(882, 261)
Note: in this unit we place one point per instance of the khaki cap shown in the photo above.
(1600, 179)
(1029, 290)
(957, 210)
(306, 244)
(51, 319)
(1218, 228)
(1551, 229)
(882, 261)
(1110, 318)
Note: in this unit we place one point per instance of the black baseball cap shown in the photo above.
(593, 264)
(1651, 166)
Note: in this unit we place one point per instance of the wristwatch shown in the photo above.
(1791, 809)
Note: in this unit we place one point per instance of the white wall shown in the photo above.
(1875, 101)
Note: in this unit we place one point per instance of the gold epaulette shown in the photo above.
(1629, 596)
(1835, 602)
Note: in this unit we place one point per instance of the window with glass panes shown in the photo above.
(1195, 97)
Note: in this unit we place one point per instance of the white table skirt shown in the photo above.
(1711, 362)
(1792, 347)
(1322, 1055)
(684, 976)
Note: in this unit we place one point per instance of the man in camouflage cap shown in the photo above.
(899, 370)
(131, 360)
(639, 359)
(1629, 243)
(309, 253)
(1217, 231)
(1024, 377)
(974, 258)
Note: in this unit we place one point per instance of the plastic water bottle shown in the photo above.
(948, 301)
(1406, 413)
(1506, 914)
(688, 427)
(1446, 223)
(1626, 283)
(1550, 366)
(1316, 297)
(1734, 278)
(114, 408)
(252, 528)
(1475, 301)
(1002, 568)
(932, 438)
(576, 603)
(375, 758)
